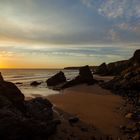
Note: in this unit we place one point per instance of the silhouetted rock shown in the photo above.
(38, 106)
(10, 91)
(135, 60)
(1, 77)
(102, 69)
(20, 119)
(85, 76)
(56, 79)
(127, 83)
(115, 68)
(35, 83)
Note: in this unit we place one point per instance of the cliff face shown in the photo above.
(135, 60)
(128, 80)
(115, 68)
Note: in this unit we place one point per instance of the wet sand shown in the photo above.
(93, 105)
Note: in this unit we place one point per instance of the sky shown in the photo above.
(61, 33)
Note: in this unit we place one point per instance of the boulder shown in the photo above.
(40, 108)
(20, 119)
(35, 83)
(56, 79)
(10, 91)
(85, 76)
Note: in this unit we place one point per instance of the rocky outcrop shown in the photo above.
(1, 77)
(85, 76)
(56, 79)
(135, 60)
(9, 91)
(102, 69)
(115, 68)
(20, 119)
(127, 83)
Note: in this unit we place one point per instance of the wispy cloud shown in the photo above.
(116, 8)
(113, 35)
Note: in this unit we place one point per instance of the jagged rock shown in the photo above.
(102, 69)
(56, 79)
(35, 83)
(1, 77)
(127, 83)
(20, 119)
(85, 76)
(116, 68)
(38, 106)
(10, 91)
(135, 60)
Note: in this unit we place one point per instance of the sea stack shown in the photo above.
(1, 78)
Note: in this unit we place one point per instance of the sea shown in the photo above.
(26, 76)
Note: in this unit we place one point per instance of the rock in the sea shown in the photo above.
(24, 120)
(56, 79)
(1, 78)
(35, 83)
(85, 76)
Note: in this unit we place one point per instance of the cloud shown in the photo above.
(131, 27)
(87, 3)
(69, 22)
(115, 8)
(113, 35)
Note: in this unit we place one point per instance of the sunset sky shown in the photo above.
(60, 33)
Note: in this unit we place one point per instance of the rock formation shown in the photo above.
(57, 79)
(85, 76)
(102, 69)
(1, 77)
(20, 119)
(128, 83)
(115, 68)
